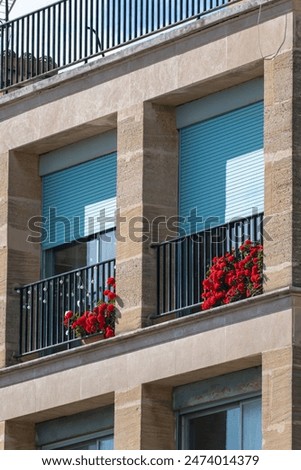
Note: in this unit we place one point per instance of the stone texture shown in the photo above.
(19, 435)
(158, 423)
(144, 418)
(127, 419)
(147, 197)
(296, 396)
(278, 171)
(277, 399)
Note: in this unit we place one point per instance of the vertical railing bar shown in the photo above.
(80, 15)
(159, 280)
(32, 52)
(48, 310)
(11, 78)
(64, 21)
(21, 327)
(191, 268)
(113, 31)
(76, 18)
(70, 26)
(164, 279)
(26, 321)
(53, 55)
(108, 17)
(169, 305)
(42, 58)
(91, 29)
(97, 40)
(38, 35)
(35, 315)
(176, 274)
(2, 31)
(27, 46)
(57, 311)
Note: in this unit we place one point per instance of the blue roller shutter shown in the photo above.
(222, 168)
(76, 199)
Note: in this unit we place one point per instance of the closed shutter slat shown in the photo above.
(72, 195)
(221, 166)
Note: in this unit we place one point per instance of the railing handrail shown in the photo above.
(22, 17)
(57, 276)
(54, 32)
(206, 230)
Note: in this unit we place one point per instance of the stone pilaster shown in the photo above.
(17, 435)
(296, 397)
(147, 197)
(278, 98)
(144, 419)
(277, 399)
(24, 202)
(3, 253)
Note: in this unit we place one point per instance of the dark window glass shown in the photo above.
(87, 252)
(233, 427)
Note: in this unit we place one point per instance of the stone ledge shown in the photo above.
(139, 47)
(162, 333)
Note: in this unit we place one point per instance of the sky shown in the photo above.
(25, 6)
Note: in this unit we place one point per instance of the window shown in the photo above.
(79, 202)
(221, 143)
(230, 426)
(105, 442)
(220, 413)
(88, 430)
(86, 252)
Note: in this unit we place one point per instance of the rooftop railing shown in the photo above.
(69, 32)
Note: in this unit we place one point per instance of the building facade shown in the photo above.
(143, 163)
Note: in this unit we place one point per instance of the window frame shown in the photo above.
(184, 416)
(47, 267)
(98, 436)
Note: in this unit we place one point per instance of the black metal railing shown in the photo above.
(182, 263)
(44, 303)
(72, 31)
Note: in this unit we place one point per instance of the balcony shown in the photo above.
(43, 305)
(71, 32)
(182, 264)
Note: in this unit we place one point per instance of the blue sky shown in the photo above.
(25, 6)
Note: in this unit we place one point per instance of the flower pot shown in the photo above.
(92, 338)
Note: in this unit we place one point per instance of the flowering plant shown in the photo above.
(99, 320)
(234, 276)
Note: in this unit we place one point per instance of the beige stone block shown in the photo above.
(278, 189)
(24, 176)
(19, 435)
(2, 435)
(251, 41)
(205, 56)
(278, 126)
(128, 320)
(278, 75)
(20, 211)
(158, 419)
(127, 421)
(297, 324)
(3, 271)
(278, 250)
(277, 399)
(130, 233)
(129, 290)
(3, 175)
